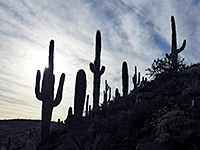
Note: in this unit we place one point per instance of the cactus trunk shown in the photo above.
(80, 93)
(125, 78)
(46, 120)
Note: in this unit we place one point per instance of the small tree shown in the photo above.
(163, 65)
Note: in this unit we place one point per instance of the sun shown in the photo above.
(40, 60)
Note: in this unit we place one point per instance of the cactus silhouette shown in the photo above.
(124, 78)
(80, 93)
(46, 95)
(95, 69)
(105, 92)
(117, 94)
(174, 51)
(109, 95)
(69, 111)
(69, 114)
(136, 78)
(87, 106)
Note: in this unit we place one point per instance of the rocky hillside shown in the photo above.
(161, 114)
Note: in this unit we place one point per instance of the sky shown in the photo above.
(135, 31)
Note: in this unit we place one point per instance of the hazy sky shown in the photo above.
(137, 31)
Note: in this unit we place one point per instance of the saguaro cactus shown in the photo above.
(46, 95)
(124, 78)
(95, 69)
(80, 93)
(174, 50)
(136, 78)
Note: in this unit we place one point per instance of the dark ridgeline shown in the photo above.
(46, 94)
(174, 51)
(124, 78)
(80, 93)
(95, 69)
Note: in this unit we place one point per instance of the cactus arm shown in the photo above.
(102, 70)
(37, 86)
(92, 67)
(182, 47)
(51, 53)
(59, 91)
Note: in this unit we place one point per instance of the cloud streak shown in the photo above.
(136, 31)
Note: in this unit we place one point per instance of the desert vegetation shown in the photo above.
(160, 113)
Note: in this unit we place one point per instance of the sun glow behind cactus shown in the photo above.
(132, 31)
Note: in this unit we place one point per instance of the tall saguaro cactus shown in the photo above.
(80, 93)
(46, 95)
(95, 69)
(174, 50)
(124, 78)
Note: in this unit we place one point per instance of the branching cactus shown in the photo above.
(124, 78)
(136, 78)
(80, 93)
(46, 94)
(95, 69)
(174, 51)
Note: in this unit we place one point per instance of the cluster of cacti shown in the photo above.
(124, 78)
(95, 69)
(136, 78)
(46, 94)
(174, 51)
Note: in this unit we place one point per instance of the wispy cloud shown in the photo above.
(136, 31)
